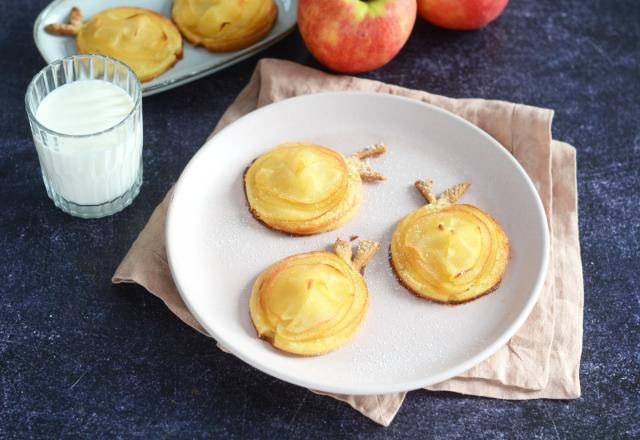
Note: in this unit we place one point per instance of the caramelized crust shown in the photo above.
(451, 302)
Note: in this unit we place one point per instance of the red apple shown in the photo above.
(352, 36)
(460, 14)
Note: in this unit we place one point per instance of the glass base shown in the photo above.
(96, 211)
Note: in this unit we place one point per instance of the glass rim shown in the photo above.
(137, 98)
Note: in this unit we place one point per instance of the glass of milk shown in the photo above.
(85, 113)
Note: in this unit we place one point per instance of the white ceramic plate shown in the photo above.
(195, 63)
(216, 248)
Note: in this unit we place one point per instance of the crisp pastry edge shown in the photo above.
(400, 281)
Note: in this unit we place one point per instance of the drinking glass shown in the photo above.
(89, 175)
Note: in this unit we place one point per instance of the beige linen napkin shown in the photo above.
(542, 360)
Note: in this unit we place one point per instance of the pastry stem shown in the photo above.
(367, 173)
(71, 28)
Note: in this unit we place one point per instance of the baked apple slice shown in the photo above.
(448, 252)
(305, 189)
(312, 303)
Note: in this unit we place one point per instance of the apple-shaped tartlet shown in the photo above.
(447, 252)
(305, 189)
(146, 41)
(312, 303)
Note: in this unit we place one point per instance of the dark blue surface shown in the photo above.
(80, 357)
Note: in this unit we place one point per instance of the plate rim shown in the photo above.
(410, 385)
(239, 55)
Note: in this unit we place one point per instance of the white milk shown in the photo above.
(95, 169)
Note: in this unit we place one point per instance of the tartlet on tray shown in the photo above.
(146, 41)
(224, 25)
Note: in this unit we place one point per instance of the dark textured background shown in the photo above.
(80, 357)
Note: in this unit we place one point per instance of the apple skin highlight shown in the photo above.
(353, 36)
(462, 15)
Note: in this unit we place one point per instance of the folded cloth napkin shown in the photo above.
(542, 359)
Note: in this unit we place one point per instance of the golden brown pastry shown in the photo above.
(224, 25)
(305, 189)
(447, 252)
(312, 303)
(144, 40)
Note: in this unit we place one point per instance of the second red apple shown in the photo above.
(461, 14)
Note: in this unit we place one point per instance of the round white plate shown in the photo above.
(196, 62)
(216, 248)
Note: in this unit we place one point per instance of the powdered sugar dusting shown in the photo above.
(222, 248)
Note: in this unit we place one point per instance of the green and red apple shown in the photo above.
(352, 36)
(461, 14)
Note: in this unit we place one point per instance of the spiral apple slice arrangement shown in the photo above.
(313, 303)
(447, 252)
(305, 189)
(223, 26)
(146, 41)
